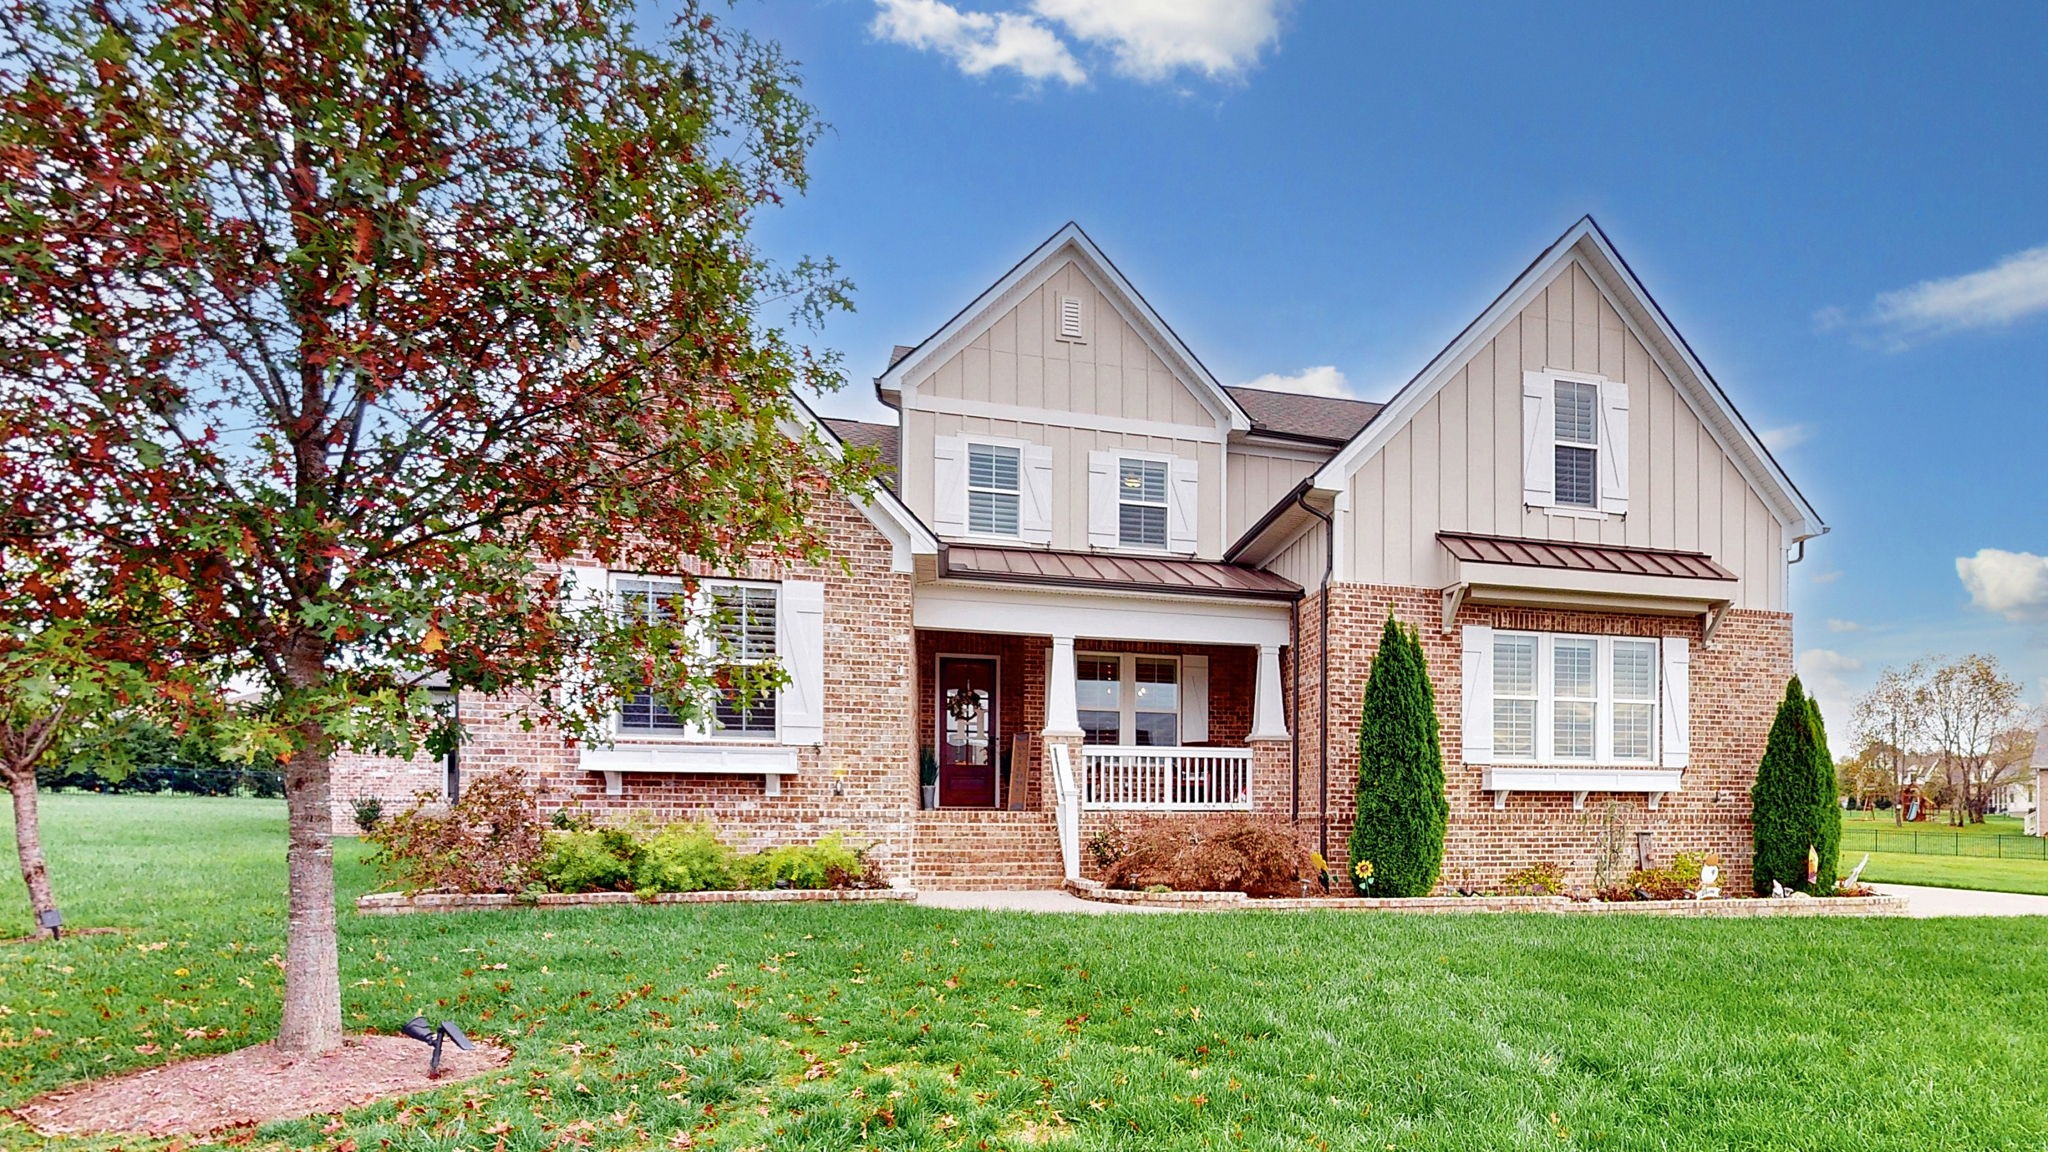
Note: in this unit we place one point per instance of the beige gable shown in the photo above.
(1456, 465)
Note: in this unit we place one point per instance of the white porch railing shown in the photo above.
(1166, 779)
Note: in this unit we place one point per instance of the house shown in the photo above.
(2039, 765)
(1100, 582)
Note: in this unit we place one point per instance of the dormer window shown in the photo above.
(1141, 503)
(994, 486)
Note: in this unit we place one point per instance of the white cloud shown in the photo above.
(1321, 380)
(1150, 40)
(1147, 40)
(1846, 626)
(979, 42)
(2009, 584)
(1826, 675)
(1786, 436)
(1828, 577)
(2009, 291)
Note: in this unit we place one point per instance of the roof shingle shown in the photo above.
(861, 434)
(1331, 419)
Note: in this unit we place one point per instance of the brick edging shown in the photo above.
(399, 903)
(1554, 905)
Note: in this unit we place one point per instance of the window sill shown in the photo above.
(1578, 513)
(771, 762)
(1579, 780)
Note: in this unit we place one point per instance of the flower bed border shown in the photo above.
(400, 903)
(1553, 905)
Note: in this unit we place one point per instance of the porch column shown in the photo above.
(1062, 718)
(1269, 718)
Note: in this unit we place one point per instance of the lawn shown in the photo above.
(1995, 856)
(818, 1027)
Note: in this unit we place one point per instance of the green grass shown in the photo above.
(1954, 872)
(818, 1027)
(1995, 856)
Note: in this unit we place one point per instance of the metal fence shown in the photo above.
(1945, 842)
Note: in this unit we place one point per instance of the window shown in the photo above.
(1141, 503)
(746, 624)
(1574, 699)
(1128, 700)
(993, 479)
(1577, 460)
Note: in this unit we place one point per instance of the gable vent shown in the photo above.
(1070, 319)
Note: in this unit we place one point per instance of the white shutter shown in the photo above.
(1539, 440)
(1478, 718)
(949, 486)
(800, 645)
(1613, 447)
(582, 589)
(1102, 523)
(1194, 699)
(1034, 507)
(1676, 698)
(1183, 505)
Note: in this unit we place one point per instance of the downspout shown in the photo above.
(1294, 702)
(1323, 687)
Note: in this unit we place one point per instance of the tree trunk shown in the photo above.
(28, 839)
(312, 958)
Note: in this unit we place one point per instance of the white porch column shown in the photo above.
(1062, 718)
(1269, 718)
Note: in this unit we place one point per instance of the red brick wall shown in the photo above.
(1736, 683)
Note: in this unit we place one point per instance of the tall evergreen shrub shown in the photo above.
(1401, 805)
(1792, 804)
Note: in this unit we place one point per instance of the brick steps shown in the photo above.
(970, 850)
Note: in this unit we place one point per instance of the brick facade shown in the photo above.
(1736, 683)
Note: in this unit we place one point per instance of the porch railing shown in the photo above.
(1166, 779)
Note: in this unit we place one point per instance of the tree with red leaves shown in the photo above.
(349, 324)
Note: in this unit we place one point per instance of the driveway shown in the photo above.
(1925, 902)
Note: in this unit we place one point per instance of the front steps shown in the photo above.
(970, 849)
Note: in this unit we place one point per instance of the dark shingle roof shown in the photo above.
(1293, 415)
(861, 434)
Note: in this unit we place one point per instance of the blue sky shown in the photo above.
(1844, 208)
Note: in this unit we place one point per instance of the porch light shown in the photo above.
(420, 1029)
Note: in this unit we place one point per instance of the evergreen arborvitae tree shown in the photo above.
(1827, 840)
(1401, 805)
(1792, 803)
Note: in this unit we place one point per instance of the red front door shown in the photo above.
(967, 732)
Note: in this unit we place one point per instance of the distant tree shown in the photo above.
(1972, 711)
(362, 321)
(1401, 805)
(1791, 797)
(1892, 727)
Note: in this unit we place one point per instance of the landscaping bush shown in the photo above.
(685, 858)
(489, 841)
(1792, 805)
(1256, 855)
(368, 811)
(1534, 880)
(1109, 844)
(601, 860)
(829, 863)
(1399, 829)
(1674, 881)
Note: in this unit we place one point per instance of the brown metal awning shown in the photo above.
(1582, 557)
(1163, 574)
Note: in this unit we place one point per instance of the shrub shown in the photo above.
(1256, 855)
(1534, 880)
(829, 863)
(1109, 844)
(1674, 881)
(368, 810)
(601, 860)
(1401, 804)
(685, 858)
(489, 841)
(1792, 804)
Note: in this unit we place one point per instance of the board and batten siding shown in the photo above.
(1302, 561)
(1110, 391)
(1457, 465)
(1258, 479)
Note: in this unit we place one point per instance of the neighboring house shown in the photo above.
(1095, 565)
(2040, 766)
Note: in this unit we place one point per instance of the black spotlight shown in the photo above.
(423, 1031)
(52, 922)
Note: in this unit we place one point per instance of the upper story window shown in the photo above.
(1575, 442)
(745, 616)
(994, 489)
(1560, 699)
(1141, 503)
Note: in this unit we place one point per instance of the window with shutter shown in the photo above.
(994, 488)
(1141, 503)
(1576, 463)
(1560, 699)
(745, 618)
(1575, 442)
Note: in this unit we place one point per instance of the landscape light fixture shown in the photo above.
(421, 1030)
(51, 921)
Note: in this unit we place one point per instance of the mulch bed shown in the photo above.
(251, 1086)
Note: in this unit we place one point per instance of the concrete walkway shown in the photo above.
(1925, 902)
(1032, 900)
